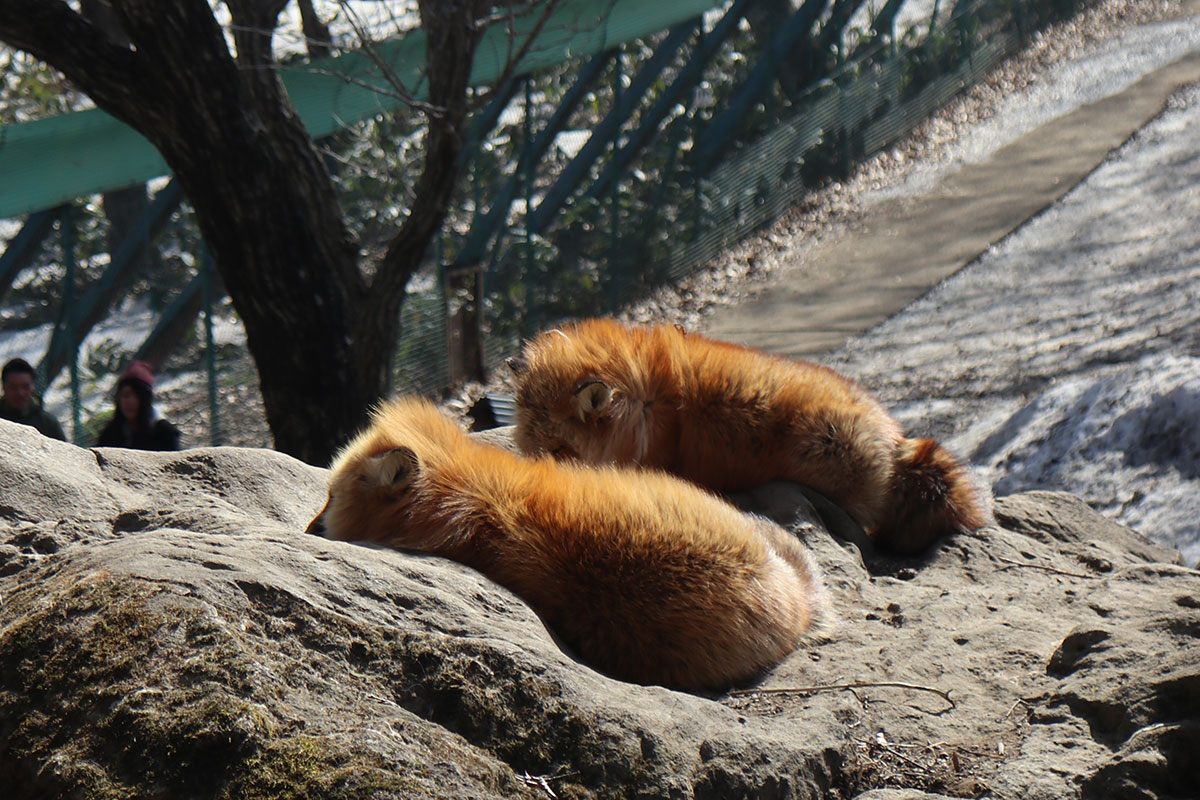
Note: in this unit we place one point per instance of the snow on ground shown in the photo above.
(1068, 356)
(1128, 442)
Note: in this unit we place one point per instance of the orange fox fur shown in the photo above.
(730, 418)
(647, 577)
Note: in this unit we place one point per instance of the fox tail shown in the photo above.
(932, 495)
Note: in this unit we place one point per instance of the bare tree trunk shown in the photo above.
(263, 198)
(267, 209)
(317, 39)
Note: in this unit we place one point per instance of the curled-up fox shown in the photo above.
(730, 418)
(647, 577)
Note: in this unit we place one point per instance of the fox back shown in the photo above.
(647, 577)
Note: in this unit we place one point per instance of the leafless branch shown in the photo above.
(350, 80)
(514, 58)
(1013, 708)
(1012, 564)
(367, 45)
(55, 34)
(887, 746)
(317, 38)
(847, 687)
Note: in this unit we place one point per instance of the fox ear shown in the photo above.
(591, 397)
(517, 365)
(395, 469)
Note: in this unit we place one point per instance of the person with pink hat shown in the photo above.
(137, 423)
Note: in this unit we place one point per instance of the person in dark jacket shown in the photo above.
(136, 423)
(19, 404)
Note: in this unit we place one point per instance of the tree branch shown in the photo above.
(453, 31)
(452, 36)
(52, 32)
(318, 41)
(846, 687)
(253, 27)
(182, 55)
(514, 57)
(406, 94)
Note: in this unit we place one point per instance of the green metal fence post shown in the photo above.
(692, 174)
(210, 354)
(530, 167)
(614, 196)
(476, 187)
(67, 315)
(769, 100)
(20, 250)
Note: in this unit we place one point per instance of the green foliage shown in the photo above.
(31, 90)
(940, 52)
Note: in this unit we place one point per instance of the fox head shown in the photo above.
(570, 404)
(562, 422)
(369, 496)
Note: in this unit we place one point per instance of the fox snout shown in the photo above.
(317, 526)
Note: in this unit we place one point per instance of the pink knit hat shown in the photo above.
(139, 371)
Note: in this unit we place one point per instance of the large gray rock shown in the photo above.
(168, 630)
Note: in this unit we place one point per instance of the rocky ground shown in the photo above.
(167, 629)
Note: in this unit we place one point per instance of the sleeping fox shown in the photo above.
(729, 418)
(649, 578)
